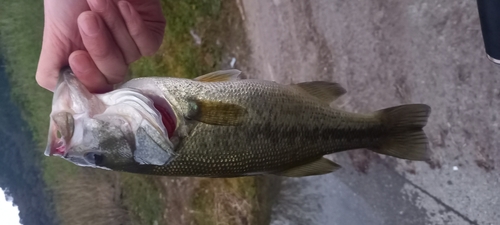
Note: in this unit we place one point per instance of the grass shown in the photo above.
(236, 201)
(141, 194)
(224, 201)
(180, 55)
(93, 196)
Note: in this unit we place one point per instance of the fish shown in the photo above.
(223, 124)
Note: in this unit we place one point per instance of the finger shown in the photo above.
(50, 63)
(148, 37)
(111, 16)
(87, 72)
(102, 48)
(59, 40)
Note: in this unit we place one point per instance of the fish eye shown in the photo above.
(94, 158)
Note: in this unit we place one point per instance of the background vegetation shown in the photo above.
(73, 195)
(20, 172)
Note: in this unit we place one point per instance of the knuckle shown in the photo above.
(100, 50)
(135, 30)
(113, 23)
(116, 74)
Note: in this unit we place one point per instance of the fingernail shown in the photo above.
(81, 63)
(90, 25)
(99, 5)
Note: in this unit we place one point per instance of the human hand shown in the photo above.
(98, 39)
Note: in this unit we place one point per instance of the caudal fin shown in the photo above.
(405, 139)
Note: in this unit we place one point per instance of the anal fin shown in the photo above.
(318, 167)
(326, 92)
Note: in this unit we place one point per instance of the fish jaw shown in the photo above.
(60, 133)
(70, 99)
(112, 130)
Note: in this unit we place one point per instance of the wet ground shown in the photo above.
(386, 53)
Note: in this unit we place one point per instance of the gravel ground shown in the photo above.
(386, 53)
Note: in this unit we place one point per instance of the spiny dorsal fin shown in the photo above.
(325, 91)
(318, 167)
(221, 75)
(216, 113)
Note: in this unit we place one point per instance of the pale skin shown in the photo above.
(98, 39)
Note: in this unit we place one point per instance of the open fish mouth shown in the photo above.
(56, 148)
(60, 133)
(70, 98)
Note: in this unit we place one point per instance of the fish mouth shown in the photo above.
(69, 92)
(58, 148)
(60, 133)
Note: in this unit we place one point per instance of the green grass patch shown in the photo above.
(180, 55)
(21, 27)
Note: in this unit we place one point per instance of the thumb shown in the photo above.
(52, 58)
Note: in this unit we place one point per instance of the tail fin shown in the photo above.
(406, 139)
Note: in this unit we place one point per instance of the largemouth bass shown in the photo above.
(223, 125)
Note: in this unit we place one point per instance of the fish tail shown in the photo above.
(405, 138)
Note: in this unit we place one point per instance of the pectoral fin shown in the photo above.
(216, 113)
(324, 91)
(151, 149)
(221, 75)
(318, 167)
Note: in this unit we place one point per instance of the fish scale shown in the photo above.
(226, 126)
(283, 130)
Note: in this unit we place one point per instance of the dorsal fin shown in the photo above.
(221, 75)
(326, 92)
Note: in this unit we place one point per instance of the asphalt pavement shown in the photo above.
(386, 53)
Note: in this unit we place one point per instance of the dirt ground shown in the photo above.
(386, 53)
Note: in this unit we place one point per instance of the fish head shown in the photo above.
(118, 130)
